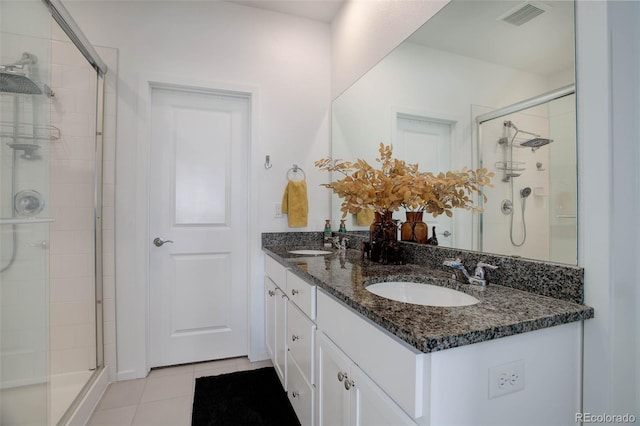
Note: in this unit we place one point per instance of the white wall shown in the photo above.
(606, 89)
(364, 31)
(285, 58)
(624, 24)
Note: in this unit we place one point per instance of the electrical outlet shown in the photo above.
(277, 210)
(506, 378)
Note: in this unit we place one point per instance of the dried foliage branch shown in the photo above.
(397, 184)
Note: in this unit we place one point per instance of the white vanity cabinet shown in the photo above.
(290, 306)
(341, 368)
(347, 396)
(276, 316)
(301, 334)
(364, 375)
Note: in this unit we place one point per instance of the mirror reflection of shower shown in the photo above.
(512, 169)
(532, 147)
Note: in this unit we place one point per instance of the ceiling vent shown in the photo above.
(524, 13)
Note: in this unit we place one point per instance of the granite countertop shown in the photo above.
(502, 311)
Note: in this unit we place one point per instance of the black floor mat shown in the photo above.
(253, 397)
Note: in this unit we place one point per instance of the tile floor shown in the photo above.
(164, 397)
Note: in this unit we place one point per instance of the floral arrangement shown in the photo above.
(397, 184)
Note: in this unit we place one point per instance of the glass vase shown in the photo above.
(414, 229)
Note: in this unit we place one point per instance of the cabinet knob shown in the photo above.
(341, 376)
(294, 292)
(295, 394)
(272, 293)
(294, 337)
(348, 384)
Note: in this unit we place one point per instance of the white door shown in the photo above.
(428, 143)
(198, 201)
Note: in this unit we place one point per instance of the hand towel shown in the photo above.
(295, 204)
(364, 217)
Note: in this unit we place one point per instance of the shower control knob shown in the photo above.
(158, 242)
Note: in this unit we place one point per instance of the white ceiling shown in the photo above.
(319, 10)
(543, 45)
(472, 28)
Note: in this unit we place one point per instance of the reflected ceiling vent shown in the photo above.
(524, 13)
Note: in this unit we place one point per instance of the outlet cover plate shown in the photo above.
(506, 378)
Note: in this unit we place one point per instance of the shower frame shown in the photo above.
(66, 22)
(503, 112)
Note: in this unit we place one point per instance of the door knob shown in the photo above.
(158, 242)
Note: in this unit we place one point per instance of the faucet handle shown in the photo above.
(453, 263)
(480, 272)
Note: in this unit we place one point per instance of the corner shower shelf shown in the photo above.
(29, 131)
(511, 166)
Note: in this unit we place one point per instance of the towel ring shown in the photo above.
(296, 169)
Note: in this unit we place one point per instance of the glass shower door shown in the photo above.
(25, 138)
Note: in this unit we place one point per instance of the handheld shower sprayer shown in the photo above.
(525, 192)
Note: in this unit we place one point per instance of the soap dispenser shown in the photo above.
(343, 227)
(327, 233)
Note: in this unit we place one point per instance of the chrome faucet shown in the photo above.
(478, 278)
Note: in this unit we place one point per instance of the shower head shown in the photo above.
(16, 82)
(536, 143)
(525, 192)
(15, 78)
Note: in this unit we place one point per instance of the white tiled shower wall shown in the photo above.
(72, 290)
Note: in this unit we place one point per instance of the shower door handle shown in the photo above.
(158, 242)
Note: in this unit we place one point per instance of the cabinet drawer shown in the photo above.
(275, 271)
(301, 339)
(395, 366)
(300, 394)
(302, 294)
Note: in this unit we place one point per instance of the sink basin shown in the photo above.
(310, 252)
(421, 294)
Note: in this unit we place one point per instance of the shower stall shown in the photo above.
(531, 147)
(50, 242)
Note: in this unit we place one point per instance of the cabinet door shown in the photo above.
(280, 362)
(270, 317)
(370, 406)
(332, 402)
(301, 336)
(300, 393)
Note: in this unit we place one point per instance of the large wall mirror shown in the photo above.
(481, 84)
